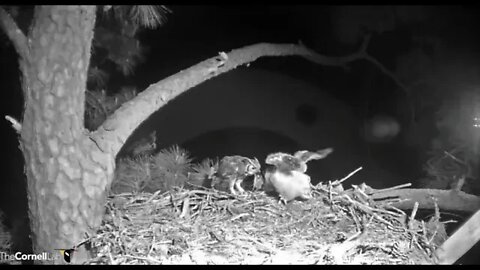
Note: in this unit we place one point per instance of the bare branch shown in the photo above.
(363, 54)
(14, 33)
(386, 72)
(395, 79)
(447, 200)
(116, 129)
(365, 43)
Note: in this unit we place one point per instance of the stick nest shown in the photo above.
(206, 226)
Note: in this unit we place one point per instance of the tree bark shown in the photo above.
(67, 175)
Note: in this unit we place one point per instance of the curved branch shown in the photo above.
(14, 33)
(365, 56)
(112, 134)
(387, 72)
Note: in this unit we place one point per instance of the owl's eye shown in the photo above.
(251, 167)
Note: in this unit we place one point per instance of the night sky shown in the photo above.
(195, 33)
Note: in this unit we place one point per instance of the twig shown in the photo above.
(153, 196)
(185, 208)
(402, 213)
(413, 239)
(412, 216)
(348, 176)
(144, 259)
(386, 72)
(239, 216)
(454, 158)
(15, 124)
(151, 245)
(359, 191)
(392, 188)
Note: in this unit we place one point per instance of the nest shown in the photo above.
(207, 226)
(5, 235)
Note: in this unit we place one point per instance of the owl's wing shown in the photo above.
(228, 166)
(306, 156)
(283, 162)
(291, 163)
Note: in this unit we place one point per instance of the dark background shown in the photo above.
(195, 33)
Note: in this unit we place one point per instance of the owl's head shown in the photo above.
(252, 166)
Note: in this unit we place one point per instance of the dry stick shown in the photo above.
(454, 158)
(152, 244)
(185, 208)
(460, 242)
(349, 175)
(153, 196)
(410, 223)
(150, 260)
(393, 188)
(402, 213)
(412, 216)
(15, 124)
(338, 182)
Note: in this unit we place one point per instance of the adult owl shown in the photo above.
(234, 169)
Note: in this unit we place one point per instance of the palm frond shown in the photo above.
(202, 173)
(149, 16)
(126, 65)
(126, 53)
(97, 76)
(177, 158)
(206, 166)
(132, 174)
(170, 168)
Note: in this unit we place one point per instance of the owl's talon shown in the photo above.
(239, 187)
(282, 200)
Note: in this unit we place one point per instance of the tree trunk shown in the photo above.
(67, 174)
